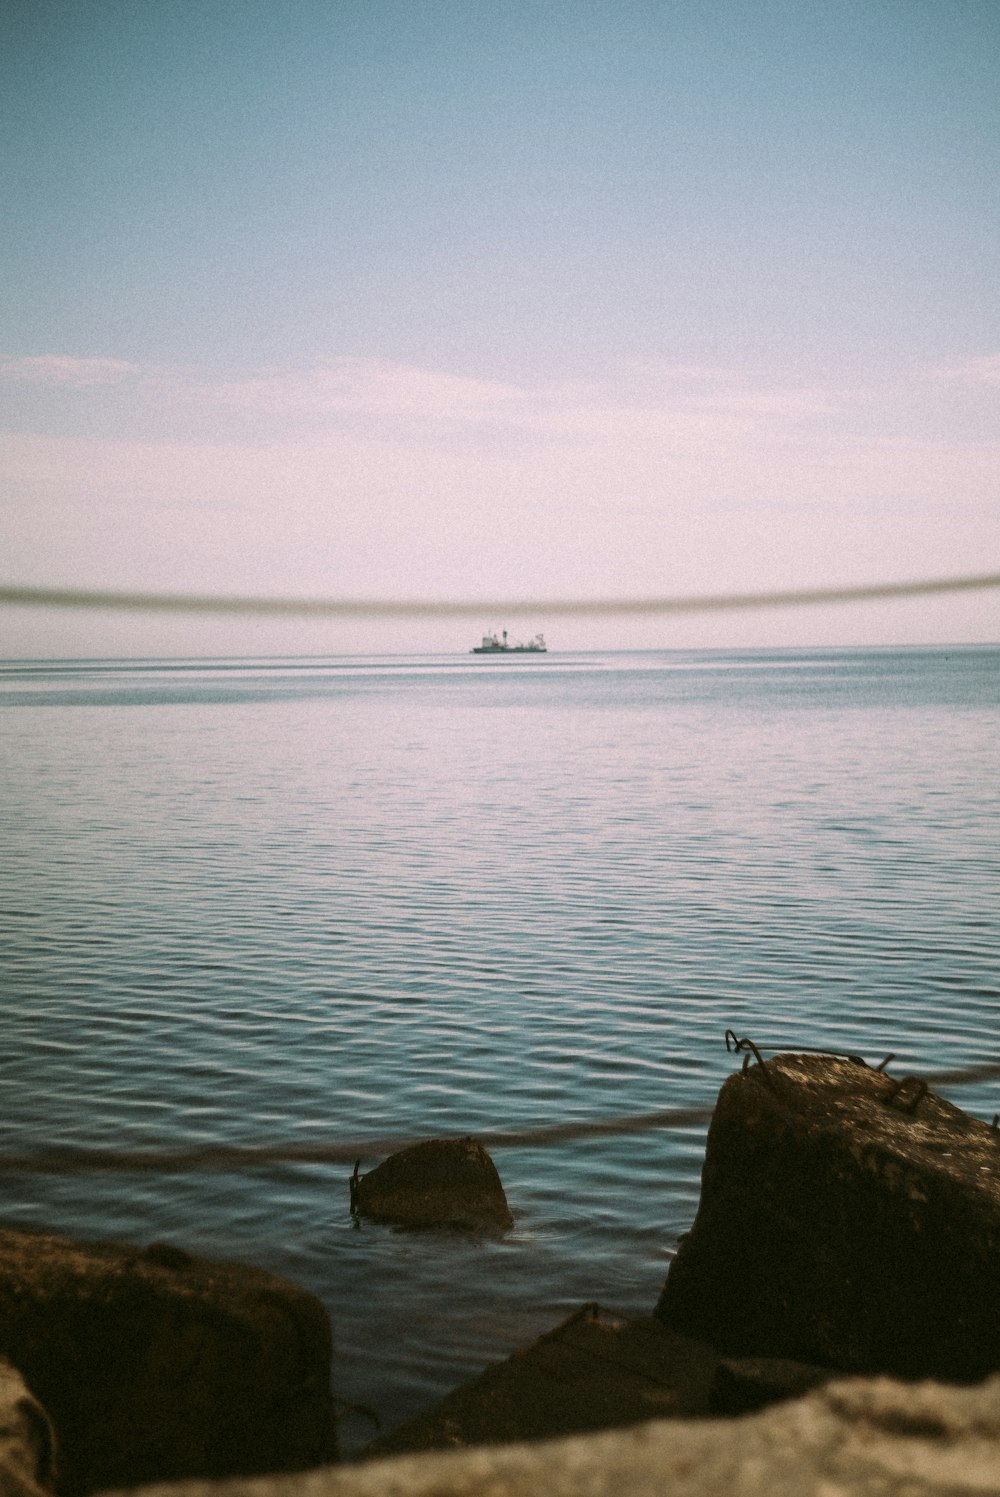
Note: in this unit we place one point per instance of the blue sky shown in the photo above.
(464, 300)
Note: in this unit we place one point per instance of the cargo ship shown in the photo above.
(498, 644)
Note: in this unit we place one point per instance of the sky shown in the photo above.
(459, 300)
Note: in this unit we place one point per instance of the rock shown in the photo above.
(27, 1439)
(159, 1365)
(591, 1372)
(856, 1439)
(742, 1385)
(844, 1221)
(443, 1182)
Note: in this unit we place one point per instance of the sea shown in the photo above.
(348, 903)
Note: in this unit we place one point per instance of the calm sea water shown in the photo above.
(285, 901)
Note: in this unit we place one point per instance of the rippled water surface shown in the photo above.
(291, 901)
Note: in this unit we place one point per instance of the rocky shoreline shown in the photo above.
(849, 1224)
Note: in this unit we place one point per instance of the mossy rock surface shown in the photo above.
(847, 1220)
(155, 1365)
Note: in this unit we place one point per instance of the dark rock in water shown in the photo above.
(846, 1220)
(742, 1385)
(444, 1182)
(591, 1372)
(156, 1366)
(167, 1256)
(27, 1439)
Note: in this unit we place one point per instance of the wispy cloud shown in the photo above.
(368, 386)
(378, 387)
(689, 400)
(66, 372)
(768, 402)
(361, 437)
(980, 371)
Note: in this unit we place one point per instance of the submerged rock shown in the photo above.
(443, 1182)
(591, 1372)
(157, 1365)
(847, 1220)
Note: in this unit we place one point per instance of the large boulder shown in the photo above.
(846, 1219)
(594, 1371)
(442, 1182)
(155, 1365)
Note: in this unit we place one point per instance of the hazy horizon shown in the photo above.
(456, 645)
